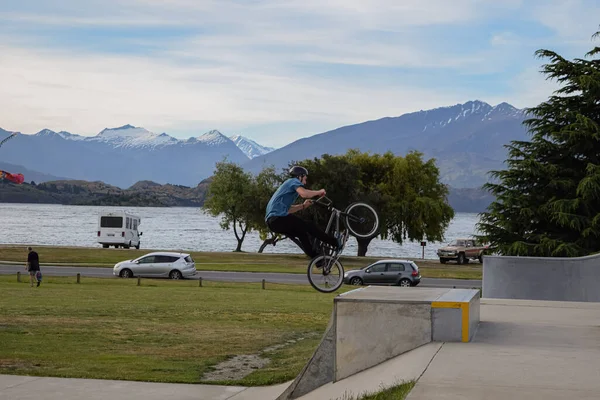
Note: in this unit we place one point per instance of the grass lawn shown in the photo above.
(161, 331)
(242, 262)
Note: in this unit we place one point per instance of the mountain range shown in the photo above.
(466, 140)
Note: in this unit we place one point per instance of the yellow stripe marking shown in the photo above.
(464, 306)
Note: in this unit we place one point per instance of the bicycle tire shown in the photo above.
(373, 231)
(318, 272)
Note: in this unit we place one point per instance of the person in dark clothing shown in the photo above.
(280, 209)
(33, 266)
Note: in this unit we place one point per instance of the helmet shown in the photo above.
(297, 171)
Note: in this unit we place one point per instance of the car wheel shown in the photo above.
(356, 281)
(126, 273)
(461, 258)
(405, 282)
(175, 274)
(105, 246)
(443, 260)
(480, 258)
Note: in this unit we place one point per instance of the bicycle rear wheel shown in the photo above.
(361, 220)
(325, 274)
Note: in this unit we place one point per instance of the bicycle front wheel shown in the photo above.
(325, 274)
(362, 220)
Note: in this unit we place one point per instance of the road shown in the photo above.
(94, 272)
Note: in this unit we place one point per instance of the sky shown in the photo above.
(272, 70)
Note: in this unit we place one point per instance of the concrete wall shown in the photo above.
(539, 278)
(369, 333)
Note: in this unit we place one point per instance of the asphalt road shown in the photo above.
(224, 276)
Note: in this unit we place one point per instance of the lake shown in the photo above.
(177, 228)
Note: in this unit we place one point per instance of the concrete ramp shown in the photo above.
(371, 325)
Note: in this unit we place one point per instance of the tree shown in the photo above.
(405, 191)
(230, 196)
(547, 200)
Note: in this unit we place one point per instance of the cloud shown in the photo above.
(186, 66)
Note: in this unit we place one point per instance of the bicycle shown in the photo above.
(361, 221)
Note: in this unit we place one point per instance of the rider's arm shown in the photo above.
(308, 194)
(296, 208)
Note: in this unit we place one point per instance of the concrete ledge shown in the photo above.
(542, 278)
(374, 324)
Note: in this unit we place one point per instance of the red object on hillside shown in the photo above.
(15, 178)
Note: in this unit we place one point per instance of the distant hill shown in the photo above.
(152, 194)
(29, 175)
(78, 192)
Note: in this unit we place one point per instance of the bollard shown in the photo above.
(263, 284)
(139, 281)
(200, 282)
(78, 277)
(18, 276)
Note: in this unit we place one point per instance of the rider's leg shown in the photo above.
(292, 229)
(320, 234)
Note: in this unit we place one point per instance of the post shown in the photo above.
(200, 282)
(139, 281)
(423, 244)
(263, 284)
(18, 276)
(78, 277)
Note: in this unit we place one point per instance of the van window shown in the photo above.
(111, 222)
(135, 222)
(127, 223)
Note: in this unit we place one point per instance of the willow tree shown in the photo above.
(548, 199)
(405, 191)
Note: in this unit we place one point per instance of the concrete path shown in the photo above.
(31, 387)
(522, 350)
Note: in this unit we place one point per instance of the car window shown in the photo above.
(165, 259)
(378, 268)
(146, 260)
(189, 259)
(395, 267)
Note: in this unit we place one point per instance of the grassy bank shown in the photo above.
(162, 331)
(209, 261)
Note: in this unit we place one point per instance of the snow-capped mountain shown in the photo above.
(250, 147)
(465, 139)
(124, 155)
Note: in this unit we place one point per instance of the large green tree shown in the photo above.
(231, 195)
(548, 199)
(406, 192)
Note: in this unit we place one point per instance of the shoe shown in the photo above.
(39, 283)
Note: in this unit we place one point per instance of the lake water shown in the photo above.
(178, 228)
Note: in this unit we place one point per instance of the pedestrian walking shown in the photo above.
(33, 267)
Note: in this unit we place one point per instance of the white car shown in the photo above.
(156, 265)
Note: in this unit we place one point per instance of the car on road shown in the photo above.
(385, 272)
(158, 265)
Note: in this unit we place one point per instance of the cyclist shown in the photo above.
(280, 211)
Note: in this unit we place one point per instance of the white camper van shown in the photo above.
(119, 229)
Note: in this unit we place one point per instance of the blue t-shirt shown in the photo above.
(283, 198)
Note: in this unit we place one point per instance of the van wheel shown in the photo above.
(138, 246)
(105, 246)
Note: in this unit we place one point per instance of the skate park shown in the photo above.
(535, 336)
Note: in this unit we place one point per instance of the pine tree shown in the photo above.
(548, 199)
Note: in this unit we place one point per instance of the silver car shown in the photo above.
(158, 265)
(385, 272)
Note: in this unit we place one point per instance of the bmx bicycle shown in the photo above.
(326, 272)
